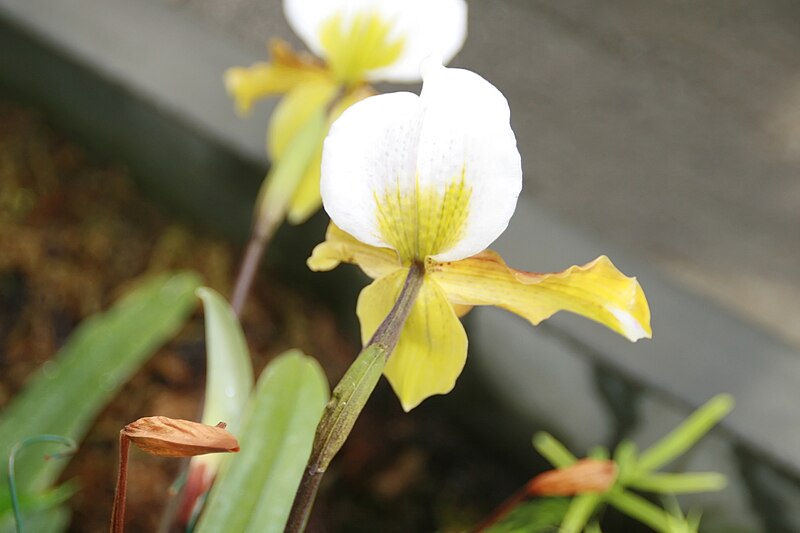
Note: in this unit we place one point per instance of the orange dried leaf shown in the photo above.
(172, 437)
(586, 475)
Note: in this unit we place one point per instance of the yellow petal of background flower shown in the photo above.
(341, 247)
(596, 290)
(286, 70)
(307, 199)
(355, 45)
(433, 345)
(294, 110)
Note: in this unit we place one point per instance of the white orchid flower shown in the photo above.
(433, 180)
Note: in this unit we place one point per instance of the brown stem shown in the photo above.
(503, 510)
(349, 398)
(262, 233)
(118, 513)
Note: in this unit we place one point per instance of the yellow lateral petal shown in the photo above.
(294, 110)
(286, 70)
(341, 247)
(596, 290)
(433, 345)
(307, 199)
(285, 174)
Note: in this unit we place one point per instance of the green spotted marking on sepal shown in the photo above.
(425, 221)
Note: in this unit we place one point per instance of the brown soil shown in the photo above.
(74, 231)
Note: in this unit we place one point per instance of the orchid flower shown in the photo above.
(433, 180)
(355, 42)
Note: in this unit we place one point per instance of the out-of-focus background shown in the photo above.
(665, 134)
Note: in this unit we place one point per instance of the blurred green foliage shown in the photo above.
(65, 395)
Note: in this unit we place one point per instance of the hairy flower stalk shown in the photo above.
(350, 396)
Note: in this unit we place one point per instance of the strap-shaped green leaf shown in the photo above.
(65, 395)
(686, 435)
(229, 371)
(552, 450)
(256, 488)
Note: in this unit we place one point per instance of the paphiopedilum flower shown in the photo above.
(354, 42)
(433, 180)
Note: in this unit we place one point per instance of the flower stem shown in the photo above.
(349, 398)
(259, 238)
(118, 512)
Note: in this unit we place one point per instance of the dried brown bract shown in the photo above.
(586, 475)
(172, 437)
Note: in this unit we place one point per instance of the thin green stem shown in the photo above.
(350, 396)
(12, 459)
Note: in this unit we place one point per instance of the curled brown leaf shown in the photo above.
(586, 475)
(172, 437)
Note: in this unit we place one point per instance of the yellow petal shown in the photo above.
(294, 110)
(432, 348)
(461, 309)
(353, 46)
(596, 290)
(286, 70)
(286, 173)
(341, 247)
(307, 199)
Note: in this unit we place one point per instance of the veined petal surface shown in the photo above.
(596, 290)
(432, 175)
(432, 349)
(421, 27)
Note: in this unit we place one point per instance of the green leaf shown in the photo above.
(686, 435)
(593, 527)
(679, 483)
(43, 500)
(552, 450)
(640, 509)
(229, 376)
(65, 395)
(542, 515)
(579, 512)
(229, 369)
(256, 487)
(625, 457)
(598, 452)
(37, 502)
(53, 520)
